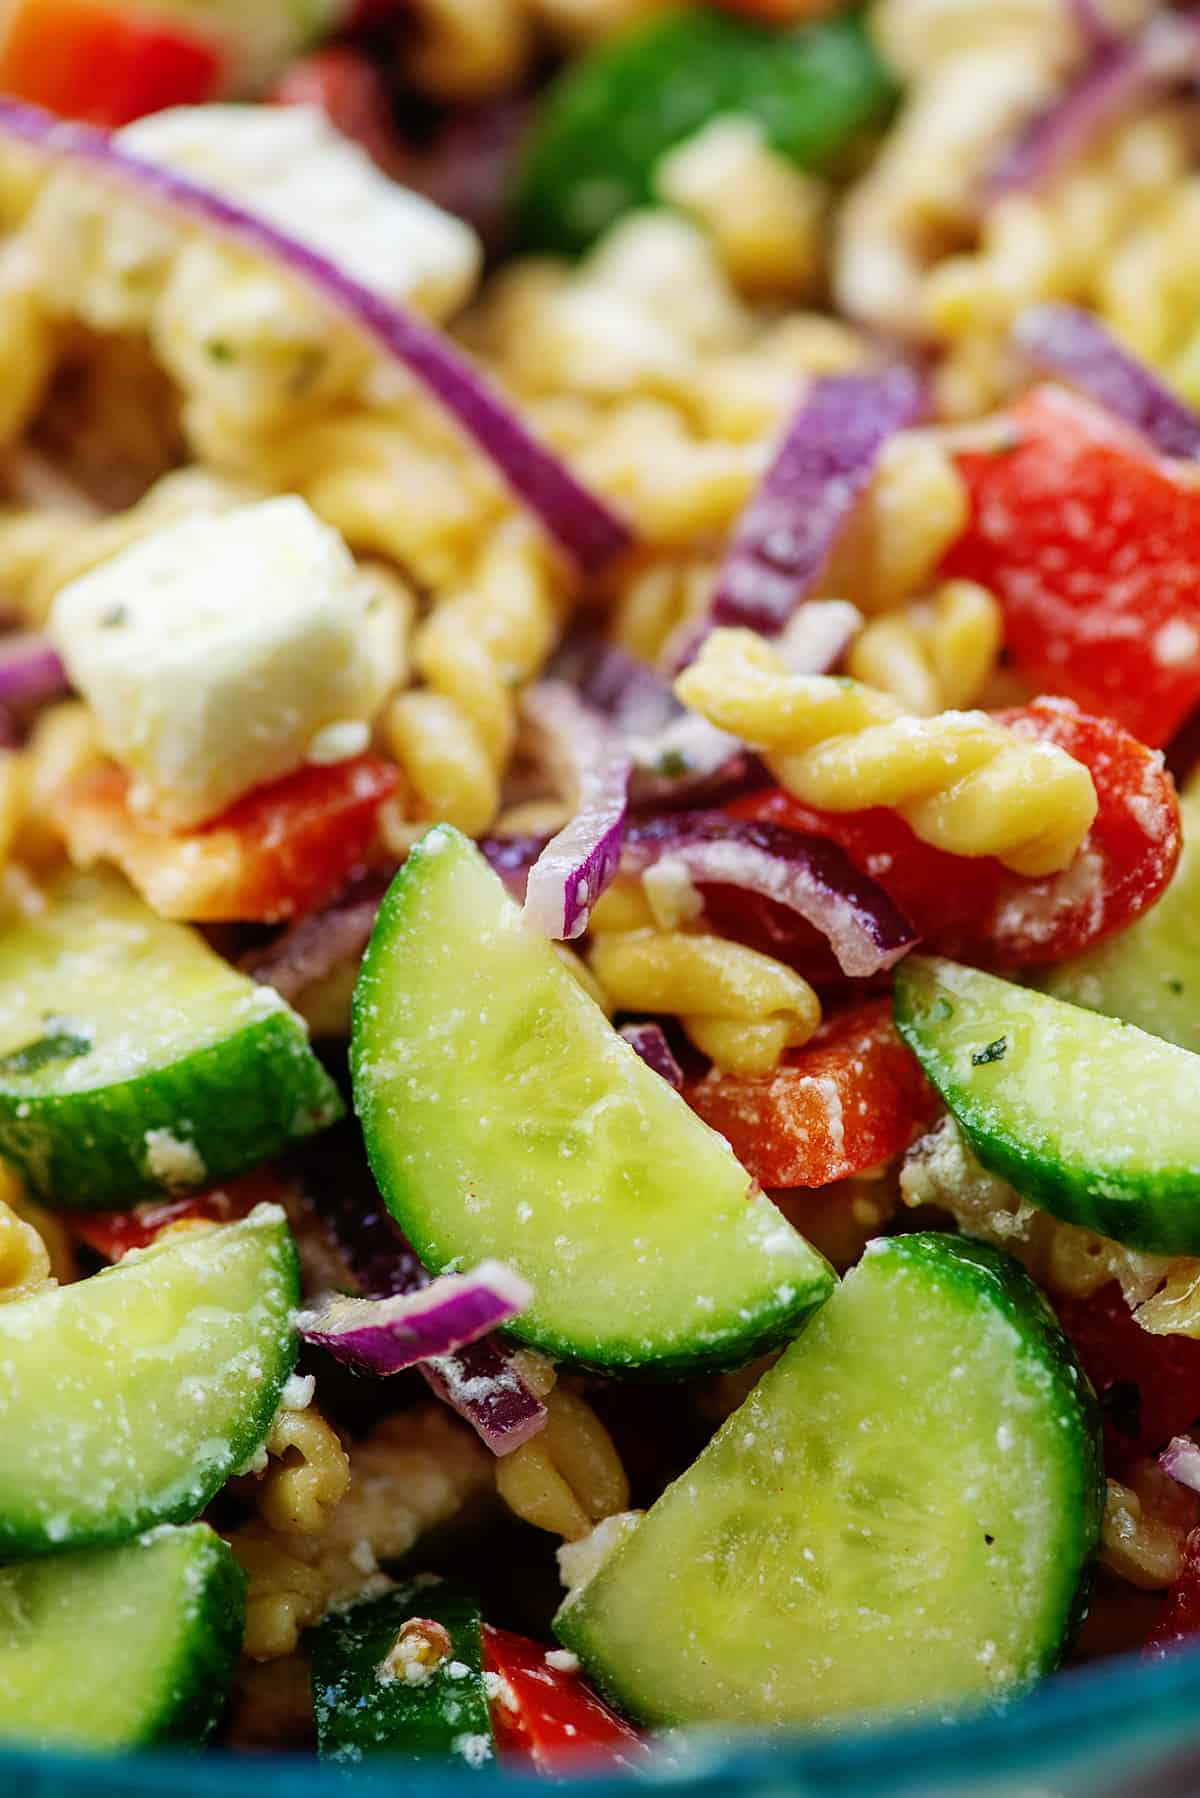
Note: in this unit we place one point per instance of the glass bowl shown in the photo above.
(1125, 1728)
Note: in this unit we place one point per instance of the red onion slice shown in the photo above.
(1181, 1459)
(789, 528)
(581, 523)
(576, 865)
(1115, 80)
(385, 1336)
(30, 669)
(649, 1041)
(1091, 25)
(633, 698)
(1073, 345)
(809, 876)
(310, 950)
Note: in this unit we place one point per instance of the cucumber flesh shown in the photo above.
(134, 1060)
(1148, 974)
(129, 1398)
(896, 1520)
(504, 1117)
(1087, 1117)
(364, 1707)
(120, 1647)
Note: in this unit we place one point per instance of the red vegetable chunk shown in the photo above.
(1149, 1386)
(548, 1714)
(113, 1233)
(104, 61)
(976, 910)
(1091, 542)
(1179, 1624)
(847, 1100)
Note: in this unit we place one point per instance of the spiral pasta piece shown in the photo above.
(24, 1258)
(308, 1473)
(934, 654)
(962, 782)
(569, 1476)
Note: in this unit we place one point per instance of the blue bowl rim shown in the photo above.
(1090, 1709)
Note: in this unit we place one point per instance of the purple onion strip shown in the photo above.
(811, 877)
(31, 669)
(649, 1041)
(311, 949)
(576, 865)
(1067, 342)
(1181, 1459)
(386, 1336)
(582, 524)
(792, 523)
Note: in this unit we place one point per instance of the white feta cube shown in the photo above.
(217, 651)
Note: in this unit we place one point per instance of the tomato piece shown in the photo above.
(976, 910)
(108, 64)
(852, 1097)
(351, 92)
(549, 1715)
(1179, 1623)
(113, 1233)
(278, 852)
(1149, 1386)
(1091, 543)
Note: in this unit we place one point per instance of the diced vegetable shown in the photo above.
(1089, 540)
(113, 1233)
(1179, 1624)
(134, 1060)
(384, 1336)
(650, 1042)
(544, 1714)
(283, 850)
(105, 61)
(896, 1520)
(1089, 1118)
(977, 910)
(505, 1117)
(30, 669)
(129, 1398)
(120, 1647)
(578, 864)
(1149, 1385)
(852, 1097)
(591, 156)
(403, 1675)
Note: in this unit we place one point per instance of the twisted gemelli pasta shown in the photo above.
(567, 1477)
(935, 653)
(308, 1473)
(961, 781)
(24, 1259)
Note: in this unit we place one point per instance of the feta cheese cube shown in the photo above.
(216, 651)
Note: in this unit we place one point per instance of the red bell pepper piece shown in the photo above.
(1179, 1624)
(104, 62)
(549, 1715)
(977, 910)
(279, 852)
(1091, 542)
(852, 1097)
(113, 1233)
(1149, 1386)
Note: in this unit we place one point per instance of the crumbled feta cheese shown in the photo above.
(172, 1161)
(562, 1660)
(297, 1394)
(214, 651)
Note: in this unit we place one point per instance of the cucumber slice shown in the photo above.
(133, 1060)
(505, 1117)
(1089, 1118)
(1148, 974)
(896, 1520)
(118, 1647)
(128, 1399)
(365, 1707)
(606, 122)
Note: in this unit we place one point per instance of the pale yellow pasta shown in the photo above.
(307, 1475)
(567, 1477)
(415, 1470)
(740, 1007)
(465, 49)
(28, 341)
(448, 768)
(1145, 1527)
(962, 782)
(24, 1259)
(915, 507)
(63, 745)
(56, 1237)
(1174, 1310)
(935, 653)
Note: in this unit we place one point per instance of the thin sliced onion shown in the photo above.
(1181, 1459)
(587, 529)
(634, 699)
(790, 527)
(1115, 80)
(649, 1041)
(809, 876)
(30, 669)
(311, 949)
(385, 1336)
(592, 763)
(1073, 345)
(1091, 24)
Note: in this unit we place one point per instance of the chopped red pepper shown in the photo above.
(1149, 1386)
(279, 852)
(104, 62)
(1091, 542)
(1179, 1624)
(548, 1714)
(852, 1097)
(113, 1233)
(977, 910)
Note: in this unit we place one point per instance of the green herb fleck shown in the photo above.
(114, 616)
(1175, 986)
(59, 1045)
(218, 350)
(992, 1052)
(672, 763)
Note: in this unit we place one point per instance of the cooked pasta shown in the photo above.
(24, 1258)
(307, 1474)
(962, 782)
(1145, 1524)
(935, 654)
(569, 1476)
